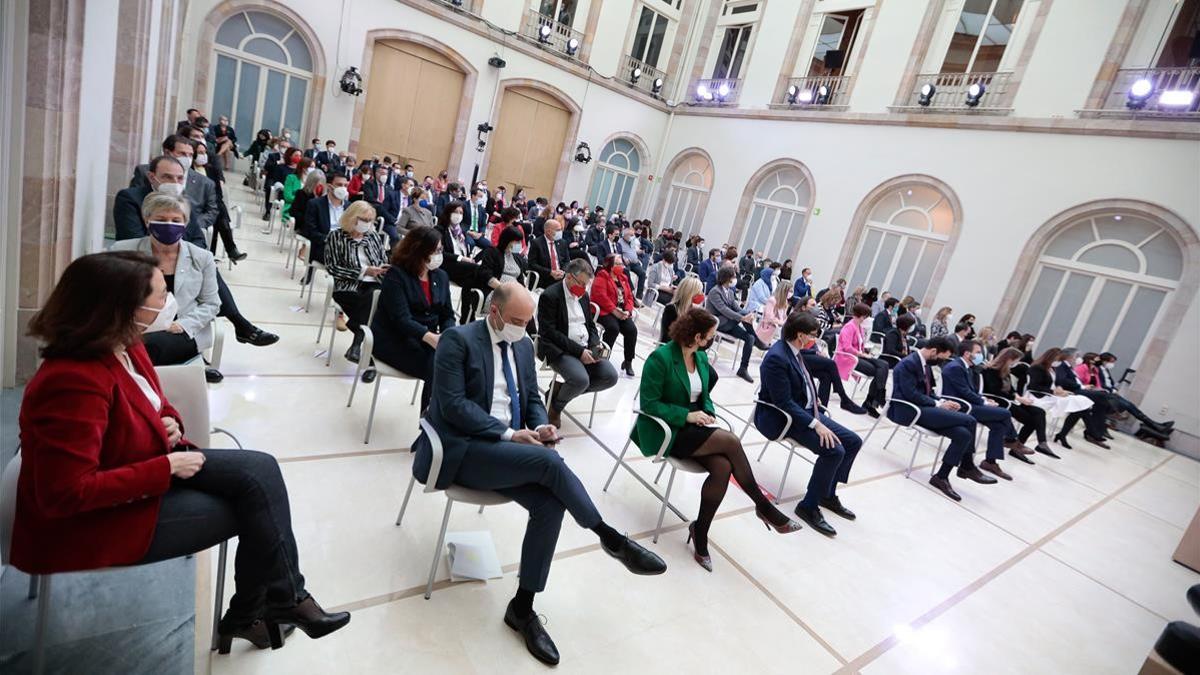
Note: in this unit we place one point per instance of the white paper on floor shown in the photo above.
(472, 556)
(297, 308)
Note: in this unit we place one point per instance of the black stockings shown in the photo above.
(722, 455)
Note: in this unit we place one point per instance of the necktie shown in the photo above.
(514, 395)
(928, 386)
(809, 392)
(553, 254)
(379, 193)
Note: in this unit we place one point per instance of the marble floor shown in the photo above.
(1067, 569)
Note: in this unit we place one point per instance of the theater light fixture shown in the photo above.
(572, 46)
(702, 93)
(636, 74)
(583, 154)
(805, 97)
(925, 95)
(974, 93)
(483, 130)
(544, 33)
(722, 92)
(351, 82)
(792, 92)
(1139, 93)
(1175, 98)
(656, 87)
(822, 96)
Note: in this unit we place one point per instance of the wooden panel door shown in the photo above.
(413, 94)
(527, 145)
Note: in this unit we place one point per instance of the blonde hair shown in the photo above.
(157, 202)
(359, 210)
(687, 289)
(942, 313)
(782, 291)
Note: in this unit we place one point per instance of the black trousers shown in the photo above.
(626, 327)
(1094, 419)
(416, 362)
(237, 493)
(224, 230)
(356, 305)
(740, 330)
(877, 370)
(169, 349)
(229, 308)
(1032, 419)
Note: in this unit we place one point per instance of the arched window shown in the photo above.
(687, 195)
(262, 75)
(1101, 283)
(905, 234)
(616, 175)
(778, 213)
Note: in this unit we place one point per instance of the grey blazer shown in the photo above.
(413, 215)
(656, 276)
(723, 304)
(195, 288)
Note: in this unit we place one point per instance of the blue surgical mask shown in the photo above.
(977, 359)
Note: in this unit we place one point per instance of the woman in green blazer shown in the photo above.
(676, 386)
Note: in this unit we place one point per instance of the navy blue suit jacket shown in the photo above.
(459, 410)
(782, 386)
(908, 384)
(959, 381)
(403, 315)
(707, 274)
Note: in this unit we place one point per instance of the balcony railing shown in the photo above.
(642, 75)
(950, 92)
(464, 5)
(552, 35)
(808, 92)
(1153, 92)
(712, 91)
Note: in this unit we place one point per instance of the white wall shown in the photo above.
(99, 59)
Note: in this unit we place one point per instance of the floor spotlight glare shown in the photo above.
(925, 96)
(543, 33)
(572, 46)
(657, 86)
(1139, 93)
(1175, 98)
(974, 93)
(792, 92)
(635, 75)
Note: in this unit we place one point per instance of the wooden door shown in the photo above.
(527, 145)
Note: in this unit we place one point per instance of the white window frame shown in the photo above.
(685, 198)
(905, 233)
(240, 54)
(846, 70)
(663, 9)
(779, 208)
(987, 19)
(726, 21)
(633, 177)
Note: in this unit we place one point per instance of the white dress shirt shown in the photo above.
(576, 321)
(335, 213)
(696, 385)
(142, 383)
(810, 391)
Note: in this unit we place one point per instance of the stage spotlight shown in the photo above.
(805, 97)
(636, 74)
(722, 92)
(544, 33)
(1175, 98)
(925, 97)
(792, 92)
(974, 93)
(657, 86)
(572, 46)
(702, 93)
(1139, 93)
(822, 95)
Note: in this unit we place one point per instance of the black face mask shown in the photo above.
(704, 346)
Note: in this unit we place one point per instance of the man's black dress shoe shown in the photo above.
(852, 407)
(212, 375)
(258, 337)
(636, 558)
(943, 484)
(835, 505)
(1045, 450)
(976, 475)
(237, 256)
(1096, 441)
(815, 520)
(1019, 457)
(353, 353)
(369, 375)
(537, 640)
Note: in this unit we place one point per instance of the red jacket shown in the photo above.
(604, 291)
(94, 465)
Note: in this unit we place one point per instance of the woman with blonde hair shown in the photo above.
(356, 255)
(688, 294)
(941, 326)
(775, 312)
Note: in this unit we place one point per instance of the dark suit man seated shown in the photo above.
(495, 436)
(960, 381)
(548, 254)
(386, 202)
(1102, 401)
(912, 381)
(569, 342)
(787, 384)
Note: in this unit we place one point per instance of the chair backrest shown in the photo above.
(532, 279)
(8, 504)
(187, 390)
(374, 305)
(435, 462)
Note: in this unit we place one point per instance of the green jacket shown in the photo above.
(291, 186)
(666, 394)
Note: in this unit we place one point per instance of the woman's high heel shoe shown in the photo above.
(255, 634)
(1061, 439)
(306, 615)
(701, 560)
(786, 528)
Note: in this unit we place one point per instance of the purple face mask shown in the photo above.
(165, 232)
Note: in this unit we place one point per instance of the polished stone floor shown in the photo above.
(1066, 569)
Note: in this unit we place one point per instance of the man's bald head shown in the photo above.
(512, 303)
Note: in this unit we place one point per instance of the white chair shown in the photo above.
(554, 377)
(854, 374)
(212, 355)
(381, 370)
(310, 273)
(720, 338)
(919, 435)
(477, 299)
(794, 449)
(660, 457)
(532, 280)
(454, 493)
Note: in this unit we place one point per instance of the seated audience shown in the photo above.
(385, 200)
(787, 385)
(314, 186)
(803, 288)
(733, 321)
(688, 294)
(961, 381)
(503, 262)
(987, 341)
(912, 382)
(941, 324)
(829, 315)
(322, 215)
(895, 341)
(852, 355)
(498, 438)
(763, 287)
(1119, 403)
(660, 279)
(1064, 374)
(108, 477)
(880, 305)
(885, 317)
(549, 255)
(612, 293)
(962, 329)
(708, 270)
(1058, 402)
(356, 256)
(419, 212)
(997, 382)
(676, 388)
(969, 319)
(631, 256)
(414, 308)
(774, 312)
(295, 181)
(568, 340)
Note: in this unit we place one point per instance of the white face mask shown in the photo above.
(201, 160)
(341, 193)
(435, 261)
(455, 218)
(173, 189)
(558, 235)
(164, 318)
(363, 226)
(408, 174)
(512, 248)
(511, 334)
(186, 161)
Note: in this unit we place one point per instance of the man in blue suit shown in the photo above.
(788, 386)
(708, 270)
(488, 413)
(961, 382)
(912, 382)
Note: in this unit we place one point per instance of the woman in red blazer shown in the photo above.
(107, 477)
(613, 294)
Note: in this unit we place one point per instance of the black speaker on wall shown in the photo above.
(834, 58)
(1194, 52)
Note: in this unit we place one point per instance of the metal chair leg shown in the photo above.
(912, 460)
(662, 513)
(371, 416)
(889, 440)
(661, 467)
(786, 467)
(39, 630)
(332, 335)
(617, 465)
(219, 602)
(872, 430)
(592, 414)
(416, 390)
(324, 312)
(481, 509)
(764, 451)
(404, 504)
(437, 552)
(33, 586)
(937, 456)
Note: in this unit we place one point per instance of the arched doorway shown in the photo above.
(616, 176)
(535, 126)
(775, 209)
